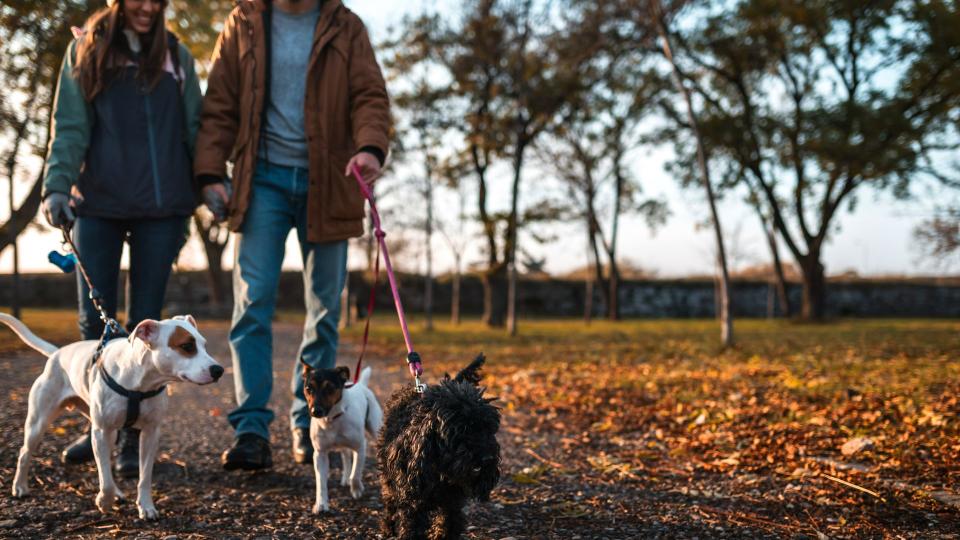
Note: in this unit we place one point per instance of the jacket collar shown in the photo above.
(251, 10)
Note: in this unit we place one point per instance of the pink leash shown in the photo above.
(413, 359)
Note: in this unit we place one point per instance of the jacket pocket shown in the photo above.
(346, 201)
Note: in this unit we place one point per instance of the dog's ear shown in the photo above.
(189, 318)
(148, 331)
(307, 368)
(344, 373)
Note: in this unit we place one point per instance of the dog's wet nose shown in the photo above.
(216, 372)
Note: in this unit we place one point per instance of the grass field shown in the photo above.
(745, 437)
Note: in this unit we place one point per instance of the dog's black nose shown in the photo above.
(216, 372)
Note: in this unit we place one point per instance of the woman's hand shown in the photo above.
(216, 197)
(57, 209)
(368, 164)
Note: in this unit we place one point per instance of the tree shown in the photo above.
(938, 237)
(32, 43)
(660, 22)
(807, 103)
(589, 149)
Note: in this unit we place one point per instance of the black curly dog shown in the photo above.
(437, 450)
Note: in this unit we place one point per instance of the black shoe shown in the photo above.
(128, 461)
(302, 446)
(249, 452)
(335, 460)
(79, 451)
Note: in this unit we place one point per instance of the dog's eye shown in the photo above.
(308, 390)
(189, 348)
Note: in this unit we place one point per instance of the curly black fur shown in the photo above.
(437, 450)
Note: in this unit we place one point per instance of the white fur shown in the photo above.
(361, 412)
(144, 362)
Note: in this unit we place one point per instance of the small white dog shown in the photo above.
(156, 353)
(340, 415)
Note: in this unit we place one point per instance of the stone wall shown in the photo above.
(188, 292)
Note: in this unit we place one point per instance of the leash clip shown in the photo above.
(418, 386)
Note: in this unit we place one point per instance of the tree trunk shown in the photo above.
(512, 229)
(494, 296)
(598, 266)
(23, 216)
(492, 312)
(587, 298)
(455, 295)
(512, 298)
(781, 280)
(726, 315)
(11, 163)
(814, 288)
(613, 297)
(428, 230)
(15, 292)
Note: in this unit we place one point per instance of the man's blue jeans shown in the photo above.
(277, 204)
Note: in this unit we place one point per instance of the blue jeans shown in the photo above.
(154, 245)
(277, 204)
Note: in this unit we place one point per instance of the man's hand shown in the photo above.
(216, 197)
(57, 209)
(368, 164)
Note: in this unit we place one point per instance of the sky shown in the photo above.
(875, 240)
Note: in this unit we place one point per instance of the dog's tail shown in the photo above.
(472, 373)
(364, 379)
(27, 336)
(374, 420)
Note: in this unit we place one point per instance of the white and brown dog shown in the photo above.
(340, 415)
(156, 353)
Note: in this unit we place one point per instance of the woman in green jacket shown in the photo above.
(118, 169)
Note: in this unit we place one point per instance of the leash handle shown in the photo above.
(413, 359)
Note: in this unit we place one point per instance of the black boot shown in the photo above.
(249, 452)
(128, 461)
(79, 451)
(302, 446)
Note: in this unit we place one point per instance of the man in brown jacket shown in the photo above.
(295, 96)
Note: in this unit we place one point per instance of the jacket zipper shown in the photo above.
(151, 140)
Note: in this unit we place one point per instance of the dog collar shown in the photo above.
(133, 397)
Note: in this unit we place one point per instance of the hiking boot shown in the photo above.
(302, 446)
(249, 452)
(128, 461)
(79, 451)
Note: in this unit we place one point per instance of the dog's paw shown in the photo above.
(105, 501)
(321, 508)
(356, 488)
(20, 491)
(148, 511)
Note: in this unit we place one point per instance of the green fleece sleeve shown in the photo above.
(192, 98)
(69, 131)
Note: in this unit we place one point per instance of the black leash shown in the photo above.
(111, 330)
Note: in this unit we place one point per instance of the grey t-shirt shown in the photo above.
(284, 140)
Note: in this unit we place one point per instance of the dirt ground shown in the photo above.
(565, 473)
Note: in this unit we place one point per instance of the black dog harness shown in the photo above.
(134, 397)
